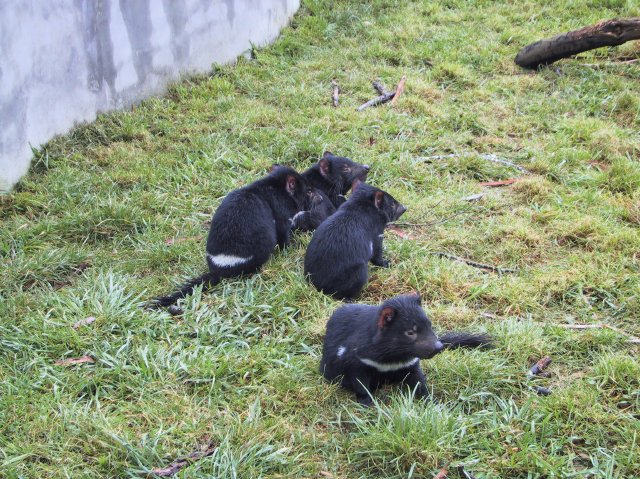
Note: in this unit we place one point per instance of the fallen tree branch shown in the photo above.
(399, 90)
(606, 33)
(336, 90)
(178, 464)
(484, 156)
(475, 264)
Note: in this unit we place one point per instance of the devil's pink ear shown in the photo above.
(378, 199)
(327, 154)
(386, 316)
(325, 166)
(292, 184)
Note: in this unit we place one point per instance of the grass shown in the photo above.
(86, 234)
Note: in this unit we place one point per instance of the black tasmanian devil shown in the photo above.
(367, 346)
(247, 226)
(337, 258)
(317, 208)
(334, 175)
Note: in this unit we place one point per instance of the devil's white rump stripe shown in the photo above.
(227, 260)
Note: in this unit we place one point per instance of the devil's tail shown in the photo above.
(207, 280)
(452, 340)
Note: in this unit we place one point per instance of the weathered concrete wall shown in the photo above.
(65, 60)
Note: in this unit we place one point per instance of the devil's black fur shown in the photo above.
(247, 226)
(334, 175)
(339, 252)
(367, 346)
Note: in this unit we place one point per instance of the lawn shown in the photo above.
(116, 212)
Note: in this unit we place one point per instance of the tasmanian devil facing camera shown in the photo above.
(367, 346)
(337, 258)
(247, 226)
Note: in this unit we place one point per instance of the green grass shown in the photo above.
(85, 234)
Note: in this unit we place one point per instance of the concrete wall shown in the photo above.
(62, 61)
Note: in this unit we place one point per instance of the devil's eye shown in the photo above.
(346, 169)
(411, 333)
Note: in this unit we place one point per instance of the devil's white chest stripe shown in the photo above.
(388, 367)
(227, 260)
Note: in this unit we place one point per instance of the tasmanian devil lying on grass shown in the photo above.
(247, 226)
(367, 346)
(339, 252)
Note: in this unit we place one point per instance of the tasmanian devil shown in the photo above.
(317, 208)
(367, 346)
(247, 226)
(334, 175)
(337, 258)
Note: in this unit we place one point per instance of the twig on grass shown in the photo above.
(539, 366)
(631, 338)
(475, 264)
(178, 464)
(377, 100)
(379, 87)
(432, 223)
(499, 182)
(442, 474)
(399, 90)
(385, 96)
(538, 369)
(84, 322)
(484, 156)
(73, 361)
(336, 90)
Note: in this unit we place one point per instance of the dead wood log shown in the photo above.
(336, 90)
(607, 33)
(399, 90)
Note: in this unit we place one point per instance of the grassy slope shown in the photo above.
(240, 367)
